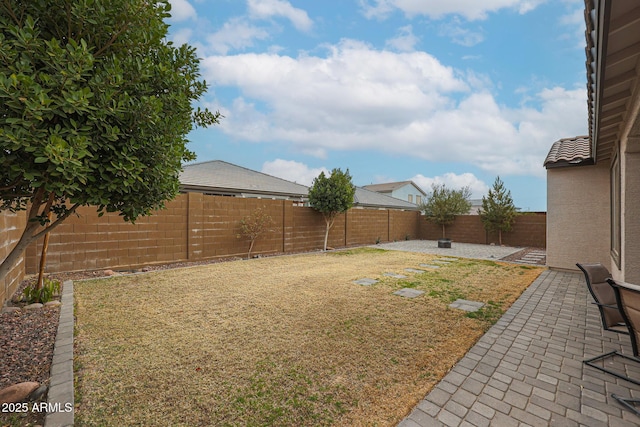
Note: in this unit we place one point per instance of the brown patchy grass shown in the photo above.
(287, 341)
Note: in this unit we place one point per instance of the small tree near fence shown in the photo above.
(444, 204)
(255, 225)
(331, 196)
(498, 212)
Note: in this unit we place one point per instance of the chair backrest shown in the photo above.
(628, 299)
(603, 294)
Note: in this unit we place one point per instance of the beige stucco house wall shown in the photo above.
(577, 216)
(629, 153)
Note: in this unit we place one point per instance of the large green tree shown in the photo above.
(95, 106)
(498, 212)
(444, 204)
(331, 195)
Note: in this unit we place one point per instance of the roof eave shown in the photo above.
(239, 191)
(602, 14)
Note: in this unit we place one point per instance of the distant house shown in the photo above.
(365, 198)
(403, 190)
(219, 178)
(593, 182)
(476, 205)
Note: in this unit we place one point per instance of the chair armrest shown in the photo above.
(606, 305)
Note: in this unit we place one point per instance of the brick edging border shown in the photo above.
(60, 398)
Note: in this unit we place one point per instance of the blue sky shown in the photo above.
(445, 91)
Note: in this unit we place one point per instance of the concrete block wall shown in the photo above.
(87, 241)
(404, 225)
(367, 226)
(11, 226)
(197, 227)
(527, 230)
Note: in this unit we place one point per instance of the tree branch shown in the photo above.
(57, 222)
(7, 6)
(11, 185)
(111, 40)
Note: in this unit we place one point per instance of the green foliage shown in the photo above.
(332, 195)
(498, 211)
(444, 204)
(95, 106)
(490, 313)
(49, 289)
(256, 224)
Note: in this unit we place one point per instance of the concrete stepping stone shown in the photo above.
(439, 261)
(466, 305)
(429, 266)
(394, 275)
(414, 270)
(365, 281)
(408, 292)
(448, 259)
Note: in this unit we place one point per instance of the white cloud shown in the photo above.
(460, 35)
(469, 9)
(265, 9)
(454, 181)
(237, 33)
(292, 171)
(402, 103)
(181, 10)
(405, 41)
(182, 36)
(575, 25)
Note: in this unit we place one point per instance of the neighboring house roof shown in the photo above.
(222, 178)
(613, 48)
(372, 199)
(570, 152)
(389, 187)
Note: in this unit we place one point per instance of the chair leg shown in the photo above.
(609, 371)
(628, 403)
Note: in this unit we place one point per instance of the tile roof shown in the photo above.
(570, 152)
(217, 176)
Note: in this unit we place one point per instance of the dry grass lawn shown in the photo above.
(286, 341)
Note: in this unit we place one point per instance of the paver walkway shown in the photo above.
(527, 369)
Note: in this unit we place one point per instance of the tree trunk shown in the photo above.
(500, 236)
(18, 249)
(43, 258)
(326, 236)
(250, 248)
(30, 234)
(329, 220)
(444, 233)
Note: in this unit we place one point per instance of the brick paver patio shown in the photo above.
(527, 369)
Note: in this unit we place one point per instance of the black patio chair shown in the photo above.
(628, 299)
(597, 276)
